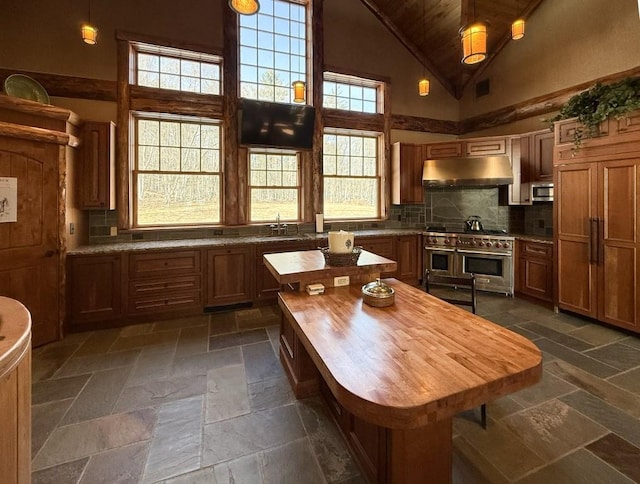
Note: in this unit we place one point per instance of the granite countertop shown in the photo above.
(543, 239)
(223, 241)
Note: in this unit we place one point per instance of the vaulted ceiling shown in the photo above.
(429, 29)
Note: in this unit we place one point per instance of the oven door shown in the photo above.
(439, 261)
(494, 272)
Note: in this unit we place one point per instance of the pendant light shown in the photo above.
(474, 41)
(423, 84)
(89, 32)
(244, 7)
(517, 27)
(298, 91)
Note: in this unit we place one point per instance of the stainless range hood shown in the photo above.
(485, 171)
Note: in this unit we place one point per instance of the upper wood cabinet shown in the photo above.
(97, 167)
(407, 161)
(487, 147)
(449, 149)
(541, 153)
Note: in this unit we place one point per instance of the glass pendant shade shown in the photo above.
(298, 92)
(423, 87)
(474, 43)
(89, 34)
(244, 7)
(517, 29)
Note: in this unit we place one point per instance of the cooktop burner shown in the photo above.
(445, 230)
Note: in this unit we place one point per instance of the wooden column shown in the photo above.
(317, 56)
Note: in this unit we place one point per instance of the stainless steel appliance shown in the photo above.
(541, 192)
(473, 224)
(487, 254)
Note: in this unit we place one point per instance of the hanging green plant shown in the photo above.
(599, 103)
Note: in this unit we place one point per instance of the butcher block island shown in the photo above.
(395, 376)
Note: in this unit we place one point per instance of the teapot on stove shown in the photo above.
(474, 224)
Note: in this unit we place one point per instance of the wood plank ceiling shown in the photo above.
(433, 36)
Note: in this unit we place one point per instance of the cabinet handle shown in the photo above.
(593, 240)
(600, 241)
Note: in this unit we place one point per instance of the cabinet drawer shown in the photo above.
(181, 283)
(535, 249)
(166, 302)
(165, 263)
(381, 246)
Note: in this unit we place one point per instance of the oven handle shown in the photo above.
(480, 252)
(435, 249)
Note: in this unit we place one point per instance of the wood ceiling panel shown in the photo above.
(429, 29)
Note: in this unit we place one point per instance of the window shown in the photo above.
(180, 70)
(352, 93)
(176, 173)
(351, 174)
(274, 185)
(272, 50)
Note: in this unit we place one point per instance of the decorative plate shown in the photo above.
(19, 85)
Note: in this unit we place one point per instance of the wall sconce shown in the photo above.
(89, 34)
(298, 91)
(423, 87)
(244, 7)
(474, 43)
(517, 29)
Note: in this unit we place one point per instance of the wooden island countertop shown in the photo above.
(416, 362)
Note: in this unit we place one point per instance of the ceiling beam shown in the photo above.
(409, 45)
(501, 45)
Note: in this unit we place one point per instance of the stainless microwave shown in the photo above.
(542, 192)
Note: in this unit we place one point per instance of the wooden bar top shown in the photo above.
(309, 265)
(411, 364)
(15, 334)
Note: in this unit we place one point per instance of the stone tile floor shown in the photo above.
(205, 400)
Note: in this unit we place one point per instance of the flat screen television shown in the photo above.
(275, 125)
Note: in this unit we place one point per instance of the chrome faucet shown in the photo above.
(278, 228)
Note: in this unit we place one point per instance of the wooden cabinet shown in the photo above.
(229, 275)
(535, 270)
(449, 149)
(487, 147)
(383, 246)
(267, 287)
(407, 161)
(598, 239)
(97, 167)
(541, 152)
(168, 282)
(94, 288)
(409, 258)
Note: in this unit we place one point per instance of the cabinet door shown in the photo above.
(619, 231)
(97, 167)
(383, 246)
(229, 276)
(487, 147)
(266, 285)
(408, 258)
(536, 270)
(575, 209)
(94, 288)
(407, 161)
(542, 144)
(445, 150)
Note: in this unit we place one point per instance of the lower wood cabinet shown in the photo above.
(409, 258)
(94, 288)
(165, 282)
(383, 246)
(535, 270)
(230, 277)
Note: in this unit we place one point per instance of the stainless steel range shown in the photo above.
(487, 254)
